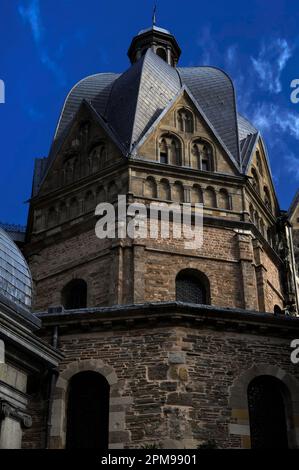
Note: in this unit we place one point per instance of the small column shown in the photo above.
(116, 274)
(169, 61)
(261, 275)
(139, 267)
(248, 275)
(13, 419)
(187, 194)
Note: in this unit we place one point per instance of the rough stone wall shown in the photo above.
(178, 378)
(81, 256)
(145, 270)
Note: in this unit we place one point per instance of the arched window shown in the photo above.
(69, 171)
(185, 120)
(175, 152)
(277, 310)
(52, 217)
(165, 190)
(62, 212)
(89, 201)
(196, 195)
(170, 150)
(262, 228)
(255, 181)
(178, 192)
(251, 212)
(269, 236)
(162, 53)
(267, 198)
(259, 163)
(74, 295)
(192, 286)
(84, 131)
(202, 155)
(97, 156)
(210, 199)
(267, 413)
(256, 219)
(150, 188)
(195, 157)
(224, 202)
(100, 194)
(76, 169)
(88, 412)
(112, 191)
(163, 151)
(39, 221)
(74, 208)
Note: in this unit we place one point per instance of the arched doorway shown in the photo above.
(88, 412)
(267, 413)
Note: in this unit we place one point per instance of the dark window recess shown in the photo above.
(189, 288)
(268, 425)
(74, 294)
(205, 165)
(163, 157)
(162, 53)
(88, 412)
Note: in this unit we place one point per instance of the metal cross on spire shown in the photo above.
(154, 14)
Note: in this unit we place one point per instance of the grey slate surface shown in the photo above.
(214, 92)
(131, 102)
(139, 96)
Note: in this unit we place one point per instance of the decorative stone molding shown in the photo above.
(9, 411)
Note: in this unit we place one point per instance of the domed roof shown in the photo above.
(131, 102)
(15, 277)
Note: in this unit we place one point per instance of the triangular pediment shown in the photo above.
(169, 122)
(86, 148)
(259, 172)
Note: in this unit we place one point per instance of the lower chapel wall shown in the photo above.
(170, 385)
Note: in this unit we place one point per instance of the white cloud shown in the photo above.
(270, 64)
(293, 165)
(270, 117)
(208, 46)
(231, 55)
(31, 15)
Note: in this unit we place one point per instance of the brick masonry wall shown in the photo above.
(148, 273)
(179, 379)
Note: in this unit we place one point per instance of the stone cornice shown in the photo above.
(169, 314)
(15, 336)
(185, 171)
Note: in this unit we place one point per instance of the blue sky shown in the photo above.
(46, 46)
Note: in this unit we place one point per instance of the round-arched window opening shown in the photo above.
(88, 412)
(267, 401)
(74, 294)
(277, 310)
(162, 53)
(192, 286)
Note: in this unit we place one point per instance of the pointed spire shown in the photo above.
(154, 18)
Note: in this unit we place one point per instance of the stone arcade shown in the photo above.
(153, 344)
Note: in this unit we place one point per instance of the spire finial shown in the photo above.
(154, 14)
